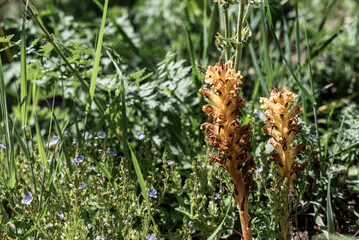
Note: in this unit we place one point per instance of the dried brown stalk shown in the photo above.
(227, 134)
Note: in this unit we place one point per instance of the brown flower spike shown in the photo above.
(282, 126)
(227, 134)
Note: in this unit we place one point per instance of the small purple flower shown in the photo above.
(151, 237)
(140, 136)
(170, 162)
(66, 131)
(152, 192)
(259, 114)
(61, 216)
(258, 170)
(42, 168)
(190, 224)
(112, 152)
(85, 135)
(101, 134)
(313, 137)
(217, 196)
(82, 185)
(79, 158)
(53, 141)
(27, 198)
(2, 145)
(102, 237)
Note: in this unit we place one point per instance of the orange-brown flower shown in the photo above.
(282, 126)
(227, 133)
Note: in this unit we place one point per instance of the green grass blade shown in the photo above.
(330, 217)
(265, 51)
(23, 89)
(276, 41)
(298, 50)
(141, 181)
(40, 143)
(220, 225)
(98, 53)
(205, 29)
(63, 144)
(322, 46)
(209, 38)
(124, 120)
(126, 38)
(123, 100)
(309, 61)
(10, 159)
(260, 79)
(99, 165)
(192, 57)
(327, 12)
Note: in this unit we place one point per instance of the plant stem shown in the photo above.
(239, 44)
(51, 39)
(226, 32)
(241, 198)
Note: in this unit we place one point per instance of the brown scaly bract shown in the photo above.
(226, 132)
(282, 126)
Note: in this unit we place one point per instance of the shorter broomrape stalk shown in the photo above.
(227, 134)
(282, 126)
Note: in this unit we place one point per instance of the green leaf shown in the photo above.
(220, 225)
(40, 143)
(141, 181)
(23, 89)
(98, 54)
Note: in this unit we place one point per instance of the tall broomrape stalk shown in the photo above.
(282, 126)
(227, 134)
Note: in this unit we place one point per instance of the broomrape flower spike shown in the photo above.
(282, 125)
(227, 133)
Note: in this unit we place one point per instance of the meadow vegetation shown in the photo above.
(103, 136)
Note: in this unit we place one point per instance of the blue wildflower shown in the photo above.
(151, 237)
(217, 196)
(140, 136)
(85, 135)
(258, 170)
(152, 192)
(102, 237)
(61, 216)
(42, 168)
(259, 114)
(101, 134)
(53, 141)
(79, 158)
(2, 145)
(112, 152)
(313, 137)
(82, 185)
(190, 224)
(27, 198)
(170, 162)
